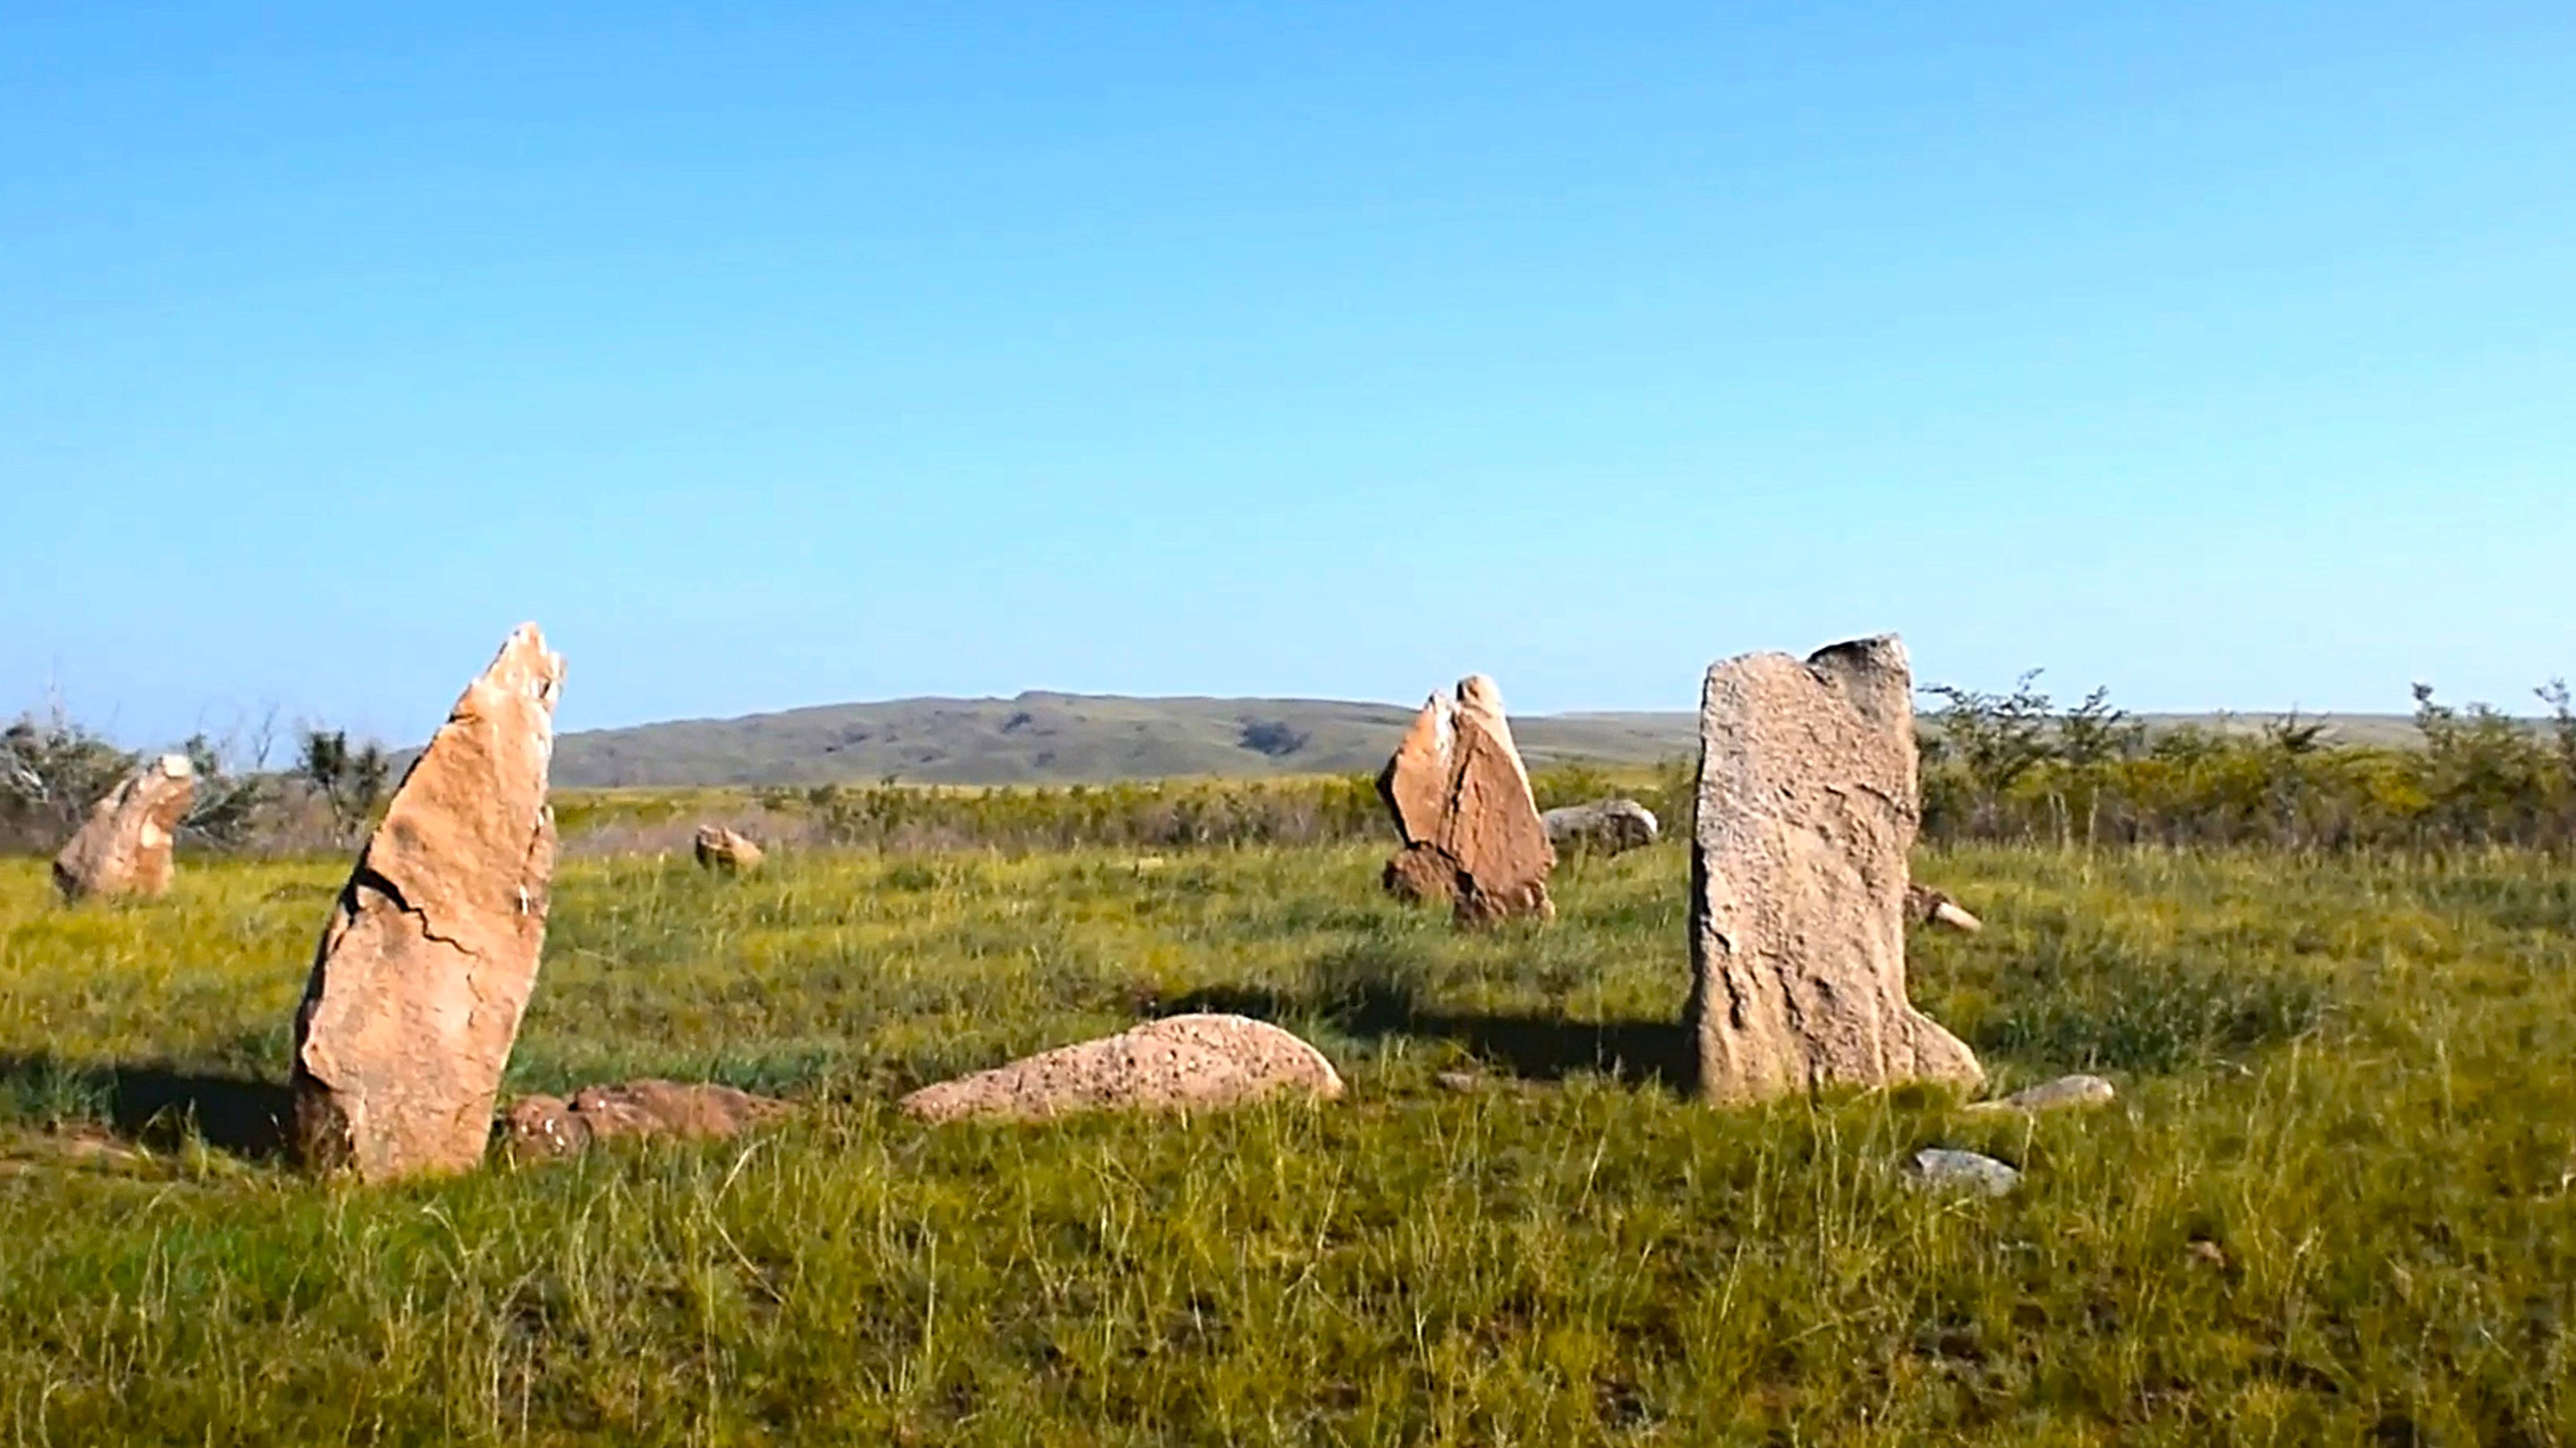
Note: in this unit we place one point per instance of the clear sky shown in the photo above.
(785, 354)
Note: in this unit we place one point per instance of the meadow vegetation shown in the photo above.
(2331, 1205)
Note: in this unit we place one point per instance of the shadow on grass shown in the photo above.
(1536, 1047)
(156, 1102)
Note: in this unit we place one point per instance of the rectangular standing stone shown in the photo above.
(1807, 807)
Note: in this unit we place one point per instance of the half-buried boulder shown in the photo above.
(1462, 804)
(1806, 809)
(124, 846)
(1179, 1063)
(1605, 826)
(432, 947)
(536, 1127)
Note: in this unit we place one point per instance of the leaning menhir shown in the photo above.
(1807, 806)
(432, 947)
(1461, 801)
(123, 848)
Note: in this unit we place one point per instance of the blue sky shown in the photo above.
(780, 354)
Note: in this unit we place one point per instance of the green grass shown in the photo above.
(2355, 1076)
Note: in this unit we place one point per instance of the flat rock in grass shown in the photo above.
(2064, 1092)
(1807, 806)
(1179, 1063)
(431, 950)
(123, 848)
(1938, 1166)
(729, 851)
(543, 1126)
(1462, 805)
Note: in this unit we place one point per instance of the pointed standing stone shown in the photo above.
(1461, 801)
(431, 950)
(1807, 807)
(124, 846)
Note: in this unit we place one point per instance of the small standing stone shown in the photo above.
(1179, 1063)
(1462, 804)
(432, 948)
(731, 851)
(124, 846)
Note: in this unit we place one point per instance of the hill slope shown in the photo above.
(1046, 738)
(1062, 738)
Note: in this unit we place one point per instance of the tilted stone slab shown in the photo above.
(123, 848)
(722, 849)
(1461, 801)
(1807, 806)
(431, 951)
(1179, 1063)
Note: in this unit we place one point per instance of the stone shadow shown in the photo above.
(159, 1103)
(1535, 1047)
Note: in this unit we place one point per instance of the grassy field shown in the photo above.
(2332, 1205)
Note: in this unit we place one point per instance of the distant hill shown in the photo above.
(1043, 738)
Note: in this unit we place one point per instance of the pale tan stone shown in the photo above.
(542, 1126)
(719, 848)
(432, 948)
(1807, 807)
(1179, 1063)
(1927, 906)
(124, 847)
(1461, 801)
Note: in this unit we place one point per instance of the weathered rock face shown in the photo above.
(543, 1126)
(719, 848)
(1461, 801)
(1606, 826)
(1179, 1063)
(431, 950)
(1806, 809)
(124, 846)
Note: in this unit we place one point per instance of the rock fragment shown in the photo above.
(124, 846)
(1927, 906)
(543, 1126)
(1462, 805)
(730, 851)
(2065, 1091)
(1179, 1063)
(431, 950)
(1936, 1166)
(1806, 809)
(1607, 826)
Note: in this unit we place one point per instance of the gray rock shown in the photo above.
(1806, 809)
(2063, 1092)
(1609, 826)
(1940, 1166)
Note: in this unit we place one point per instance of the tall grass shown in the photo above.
(2351, 1078)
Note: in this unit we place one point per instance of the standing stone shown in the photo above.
(1178, 1063)
(731, 851)
(124, 847)
(1806, 809)
(1461, 801)
(431, 950)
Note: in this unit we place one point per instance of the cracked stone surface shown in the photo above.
(1178, 1063)
(1461, 801)
(1807, 806)
(124, 846)
(431, 950)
